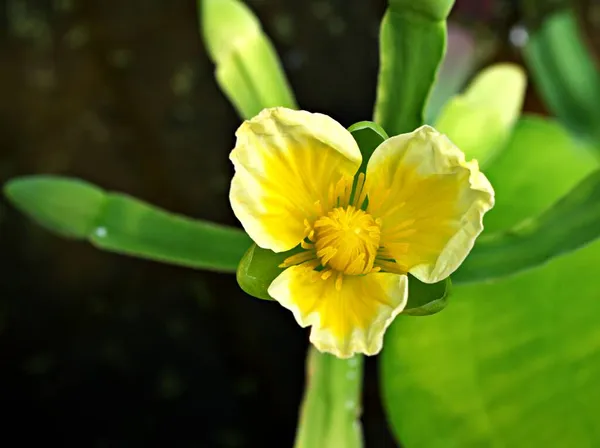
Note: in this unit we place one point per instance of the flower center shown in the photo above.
(347, 240)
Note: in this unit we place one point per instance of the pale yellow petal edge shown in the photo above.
(368, 342)
(460, 245)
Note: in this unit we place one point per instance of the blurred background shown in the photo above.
(102, 350)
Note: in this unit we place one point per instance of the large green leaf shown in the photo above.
(571, 223)
(565, 73)
(412, 44)
(524, 199)
(538, 149)
(508, 364)
(514, 362)
(480, 120)
(123, 224)
(248, 70)
(330, 412)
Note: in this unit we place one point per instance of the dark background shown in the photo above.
(106, 351)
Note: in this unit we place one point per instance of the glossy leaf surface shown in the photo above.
(123, 224)
(571, 223)
(412, 43)
(480, 120)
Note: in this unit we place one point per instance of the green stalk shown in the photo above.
(331, 408)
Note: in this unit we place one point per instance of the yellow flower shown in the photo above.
(418, 209)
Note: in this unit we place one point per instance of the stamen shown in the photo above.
(326, 273)
(338, 281)
(357, 265)
(391, 266)
(305, 245)
(326, 254)
(298, 258)
(347, 240)
(382, 252)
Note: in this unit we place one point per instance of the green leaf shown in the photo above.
(435, 10)
(513, 363)
(538, 149)
(248, 70)
(573, 222)
(480, 120)
(565, 73)
(368, 136)
(68, 207)
(330, 412)
(426, 299)
(412, 44)
(258, 268)
(122, 224)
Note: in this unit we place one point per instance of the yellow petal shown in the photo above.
(430, 201)
(347, 320)
(285, 162)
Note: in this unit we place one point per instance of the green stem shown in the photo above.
(331, 408)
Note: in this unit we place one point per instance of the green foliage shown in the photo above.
(571, 223)
(425, 299)
(537, 148)
(330, 412)
(565, 73)
(122, 224)
(412, 45)
(68, 207)
(435, 10)
(480, 120)
(248, 69)
(258, 268)
(511, 363)
(368, 136)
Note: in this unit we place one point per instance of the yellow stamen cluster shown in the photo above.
(344, 240)
(347, 240)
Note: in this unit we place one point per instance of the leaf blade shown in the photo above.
(123, 224)
(565, 74)
(412, 44)
(480, 120)
(248, 69)
(511, 363)
(572, 223)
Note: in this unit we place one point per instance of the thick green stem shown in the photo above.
(330, 412)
